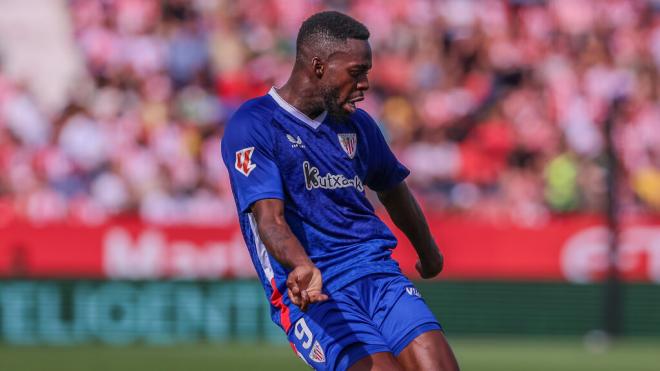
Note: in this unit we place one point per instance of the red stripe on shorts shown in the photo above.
(276, 300)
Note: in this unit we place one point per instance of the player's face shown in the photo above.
(346, 78)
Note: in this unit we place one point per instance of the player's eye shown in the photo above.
(358, 73)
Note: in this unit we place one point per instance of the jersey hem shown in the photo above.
(391, 184)
(260, 196)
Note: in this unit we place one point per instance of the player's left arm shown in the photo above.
(407, 215)
(386, 176)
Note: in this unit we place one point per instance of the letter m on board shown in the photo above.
(244, 161)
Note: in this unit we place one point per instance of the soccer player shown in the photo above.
(300, 159)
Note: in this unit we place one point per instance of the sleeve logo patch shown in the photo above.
(244, 161)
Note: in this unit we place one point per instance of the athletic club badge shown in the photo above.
(317, 354)
(348, 143)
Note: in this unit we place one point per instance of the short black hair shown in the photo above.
(329, 26)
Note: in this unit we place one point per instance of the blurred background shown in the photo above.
(531, 127)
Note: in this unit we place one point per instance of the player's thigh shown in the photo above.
(384, 361)
(333, 336)
(429, 351)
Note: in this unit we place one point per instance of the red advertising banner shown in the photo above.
(127, 249)
(569, 249)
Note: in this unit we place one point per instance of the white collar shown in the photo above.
(314, 123)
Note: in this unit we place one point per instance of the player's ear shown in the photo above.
(318, 66)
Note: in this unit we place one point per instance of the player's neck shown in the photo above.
(303, 96)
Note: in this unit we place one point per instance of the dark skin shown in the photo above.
(304, 283)
(321, 82)
(334, 81)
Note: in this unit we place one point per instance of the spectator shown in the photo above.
(497, 106)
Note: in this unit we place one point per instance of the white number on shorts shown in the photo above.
(302, 331)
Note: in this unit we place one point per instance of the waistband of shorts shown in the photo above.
(340, 279)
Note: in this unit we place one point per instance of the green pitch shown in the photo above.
(509, 354)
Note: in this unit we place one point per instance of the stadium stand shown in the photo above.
(498, 109)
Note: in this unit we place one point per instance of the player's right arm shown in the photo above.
(247, 151)
(304, 282)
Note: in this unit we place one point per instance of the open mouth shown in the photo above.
(351, 104)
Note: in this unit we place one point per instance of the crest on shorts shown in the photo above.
(317, 354)
(348, 143)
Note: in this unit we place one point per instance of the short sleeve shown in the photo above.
(247, 151)
(384, 170)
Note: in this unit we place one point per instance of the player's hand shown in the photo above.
(305, 286)
(430, 266)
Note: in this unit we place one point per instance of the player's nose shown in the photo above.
(363, 83)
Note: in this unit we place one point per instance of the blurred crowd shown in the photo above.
(500, 108)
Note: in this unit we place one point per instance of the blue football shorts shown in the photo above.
(377, 313)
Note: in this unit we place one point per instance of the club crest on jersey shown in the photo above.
(348, 143)
(244, 161)
(317, 354)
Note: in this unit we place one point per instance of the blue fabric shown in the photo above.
(378, 313)
(322, 186)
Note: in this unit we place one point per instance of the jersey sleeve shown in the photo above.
(384, 170)
(247, 151)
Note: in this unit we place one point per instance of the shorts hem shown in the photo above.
(362, 351)
(412, 334)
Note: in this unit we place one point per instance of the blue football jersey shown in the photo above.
(320, 169)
